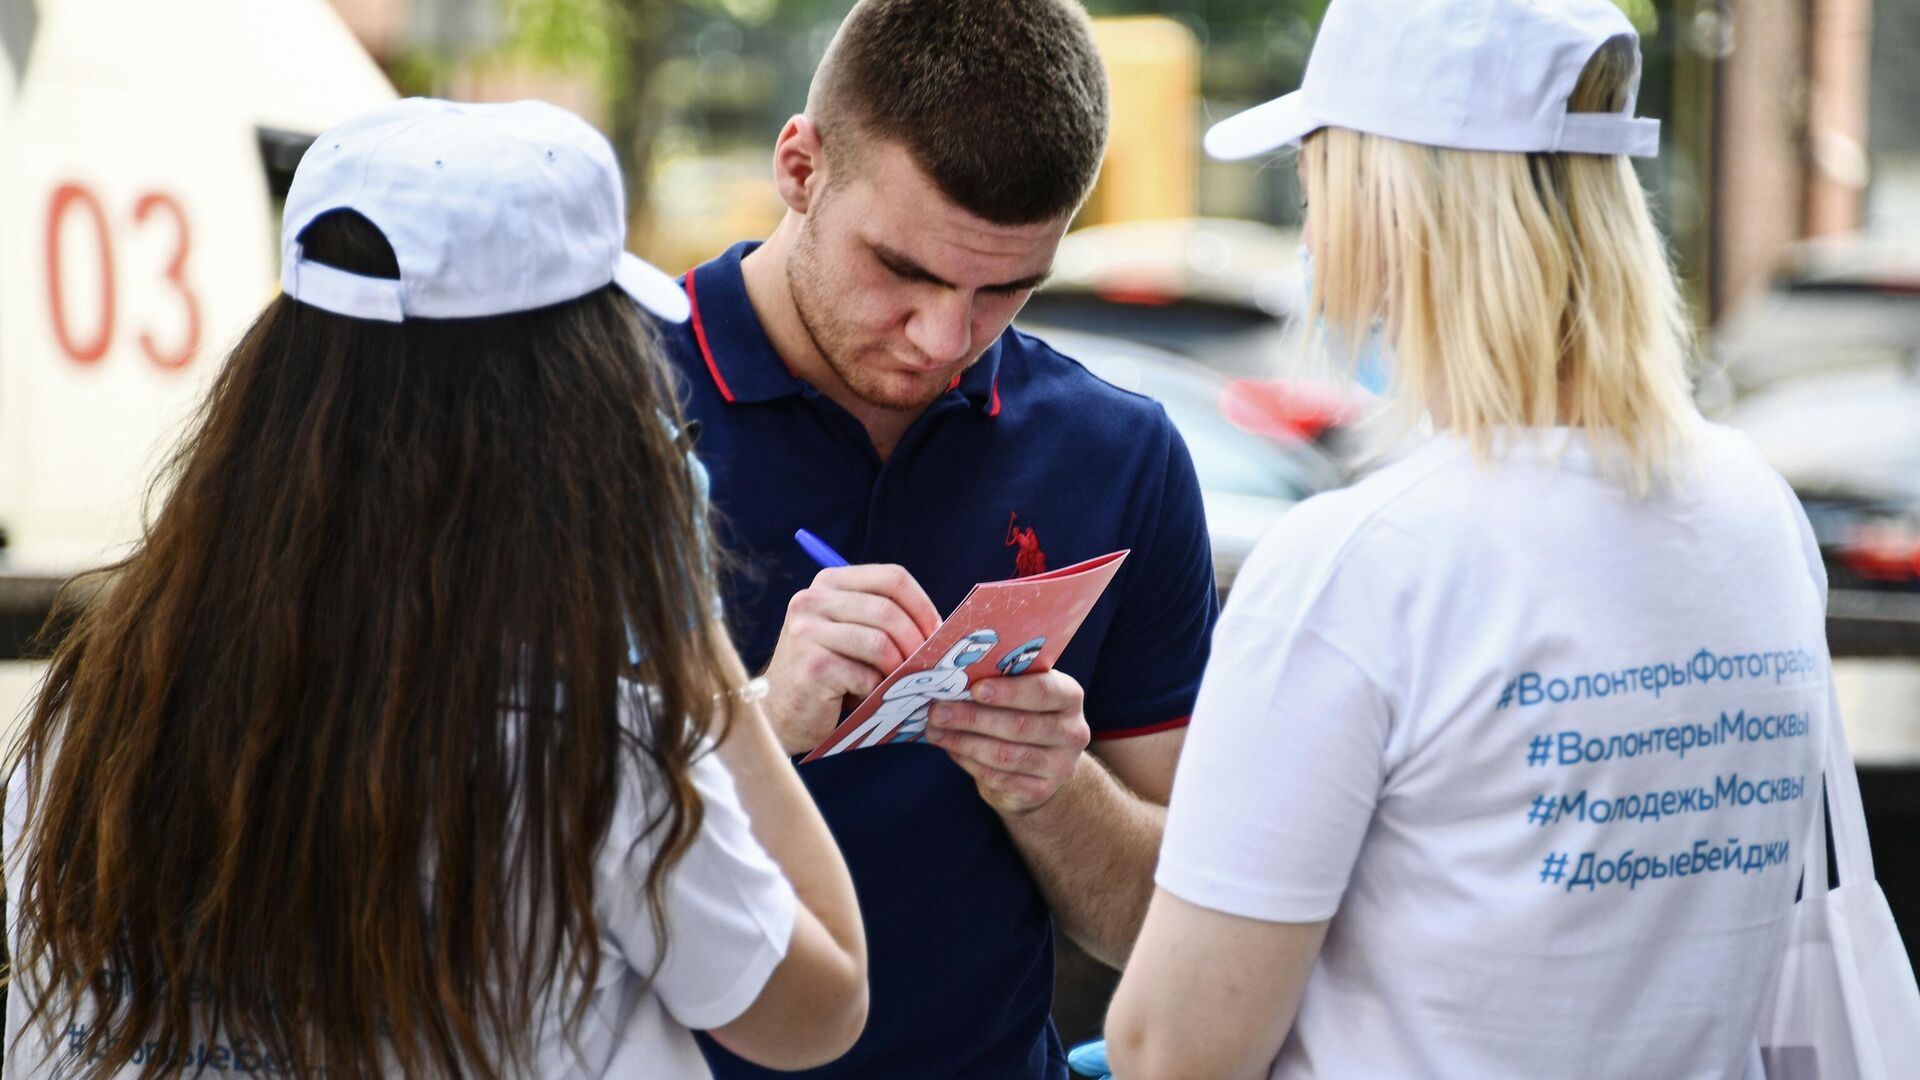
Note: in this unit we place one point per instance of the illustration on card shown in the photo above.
(904, 706)
(1002, 628)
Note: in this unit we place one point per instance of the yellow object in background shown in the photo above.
(1153, 157)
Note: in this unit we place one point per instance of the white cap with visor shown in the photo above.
(1462, 74)
(490, 210)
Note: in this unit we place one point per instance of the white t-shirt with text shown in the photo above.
(730, 915)
(1545, 754)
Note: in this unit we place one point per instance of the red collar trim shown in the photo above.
(1150, 729)
(726, 392)
(700, 336)
(993, 402)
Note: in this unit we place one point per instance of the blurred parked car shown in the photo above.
(1824, 373)
(1221, 293)
(1837, 304)
(1248, 478)
(1217, 291)
(1849, 443)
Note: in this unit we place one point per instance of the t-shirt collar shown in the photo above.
(741, 359)
(981, 382)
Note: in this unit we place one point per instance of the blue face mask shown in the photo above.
(1371, 358)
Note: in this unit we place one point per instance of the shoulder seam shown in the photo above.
(1318, 590)
(1372, 516)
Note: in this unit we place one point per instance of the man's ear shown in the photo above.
(799, 164)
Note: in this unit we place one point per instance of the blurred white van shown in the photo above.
(141, 147)
(144, 145)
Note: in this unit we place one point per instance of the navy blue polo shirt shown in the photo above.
(1027, 461)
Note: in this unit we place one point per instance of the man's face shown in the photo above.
(901, 289)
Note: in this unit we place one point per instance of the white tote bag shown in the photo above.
(1844, 1005)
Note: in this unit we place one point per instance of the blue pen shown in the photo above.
(821, 551)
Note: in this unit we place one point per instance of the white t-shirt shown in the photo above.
(1545, 755)
(730, 915)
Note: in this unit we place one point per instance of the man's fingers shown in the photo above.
(863, 609)
(1040, 691)
(837, 670)
(862, 644)
(890, 581)
(1024, 790)
(1013, 775)
(1043, 729)
(995, 755)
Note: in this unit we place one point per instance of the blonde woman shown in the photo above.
(1505, 757)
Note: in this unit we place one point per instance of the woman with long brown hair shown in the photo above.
(390, 748)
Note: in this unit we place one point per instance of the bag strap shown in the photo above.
(1853, 855)
(1814, 886)
(1841, 782)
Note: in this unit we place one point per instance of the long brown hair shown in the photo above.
(325, 763)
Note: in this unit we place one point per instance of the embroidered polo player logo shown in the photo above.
(1029, 560)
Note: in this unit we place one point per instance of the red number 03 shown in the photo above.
(91, 348)
(68, 197)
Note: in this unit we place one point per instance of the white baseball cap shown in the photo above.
(1463, 74)
(490, 209)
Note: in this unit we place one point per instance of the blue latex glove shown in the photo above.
(1090, 1059)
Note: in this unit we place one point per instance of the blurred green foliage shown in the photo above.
(1646, 18)
(573, 35)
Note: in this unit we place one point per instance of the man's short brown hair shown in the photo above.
(1003, 103)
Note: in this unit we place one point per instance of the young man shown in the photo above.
(855, 375)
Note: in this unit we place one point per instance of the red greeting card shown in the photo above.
(1001, 628)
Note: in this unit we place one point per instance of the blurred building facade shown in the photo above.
(1787, 89)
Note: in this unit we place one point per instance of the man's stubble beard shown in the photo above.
(834, 343)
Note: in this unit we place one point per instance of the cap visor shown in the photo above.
(652, 288)
(1262, 129)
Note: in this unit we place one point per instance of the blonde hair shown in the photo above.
(1519, 290)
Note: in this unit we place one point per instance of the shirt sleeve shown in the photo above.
(1149, 666)
(729, 910)
(1280, 776)
(36, 1052)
